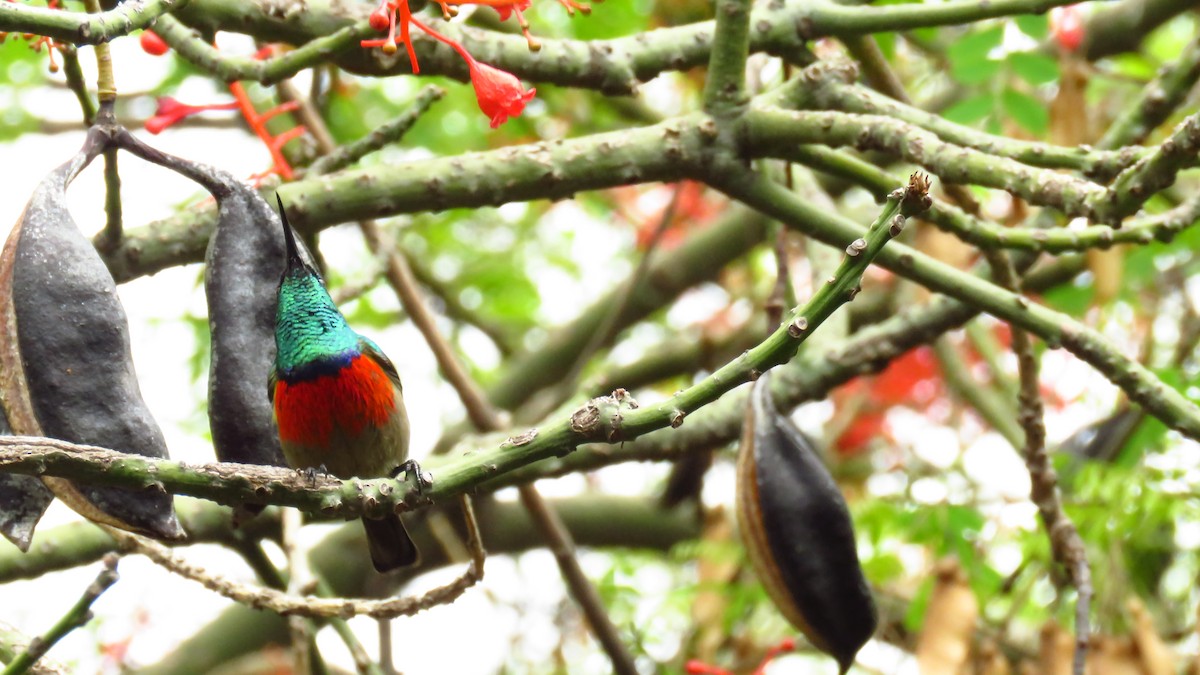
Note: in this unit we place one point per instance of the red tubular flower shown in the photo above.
(171, 111)
(1066, 25)
(499, 92)
(381, 18)
(153, 44)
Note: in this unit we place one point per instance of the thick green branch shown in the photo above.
(985, 234)
(189, 45)
(771, 131)
(612, 418)
(829, 85)
(1055, 328)
(1159, 98)
(546, 170)
(614, 66)
(81, 28)
(725, 86)
(1154, 172)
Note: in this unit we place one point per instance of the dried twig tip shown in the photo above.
(916, 196)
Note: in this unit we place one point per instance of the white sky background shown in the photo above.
(522, 596)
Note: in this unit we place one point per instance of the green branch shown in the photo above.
(546, 170)
(725, 86)
(13, 642)
(81, 28)
(609, 419)
(76, 617)
(615, 66)
(985, 234)
(1055, 328)
(1156, 171)
(194, 49)
(829, 85)
(771, 131)
(1159, 98)
(385, 134)
(830, 18)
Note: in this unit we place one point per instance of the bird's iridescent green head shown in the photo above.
(310, 332)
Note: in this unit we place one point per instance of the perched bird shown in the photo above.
(337, 399)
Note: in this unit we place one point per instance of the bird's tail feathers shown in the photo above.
(391, 547)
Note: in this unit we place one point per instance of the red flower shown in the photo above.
(171, 111)
(381, 19)
(499, 92)
(1066, 24)
(507, 10)
(153, 44)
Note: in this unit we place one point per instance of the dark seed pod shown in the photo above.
(67, 368)
(798, 532)
(23, 500)
(243, 266)
(244, 262)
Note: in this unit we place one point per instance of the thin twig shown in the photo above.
(387, 133)
(76, 617)
(106, 94)
(582, 591)
(300, 629)
(252, 552)
(604, 332)
(1065, 542)
(285, 604)
(386, 660)
(75, 82)
(106, 85)
(112, 199)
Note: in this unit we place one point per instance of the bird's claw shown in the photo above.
(412, 471)
(310, 473)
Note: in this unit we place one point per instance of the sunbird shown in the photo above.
(338, 401)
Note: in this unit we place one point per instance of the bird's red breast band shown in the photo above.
(358, 395)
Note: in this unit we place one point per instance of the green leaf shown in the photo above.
(887, 44)
(1034, 68)
(1036, 26)
(969, 58)
(1026, 110)
(971, 109)
(1072, 299)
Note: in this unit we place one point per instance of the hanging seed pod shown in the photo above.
(797, 530)
(243, 266)
(65, 355)
(244, 262)
(23, 500)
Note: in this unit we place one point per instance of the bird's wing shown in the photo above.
(372, 350)
(272, 379)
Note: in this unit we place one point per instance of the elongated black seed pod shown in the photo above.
(23, 500)
(243, 266)
(798, 532)
(62, 311)
(244, 262)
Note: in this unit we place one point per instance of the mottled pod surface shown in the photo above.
(798, 533)
(243, 265)
(73, 342)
